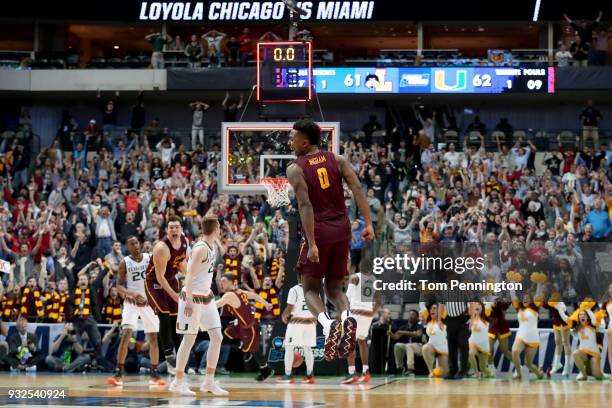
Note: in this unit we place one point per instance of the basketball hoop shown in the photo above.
(278, 191)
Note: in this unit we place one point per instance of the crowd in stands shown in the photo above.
(66, 213)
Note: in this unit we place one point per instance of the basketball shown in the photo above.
(297, 359)
(437, 372)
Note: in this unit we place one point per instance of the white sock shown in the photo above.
(325, 320)
(344, 315)
(209, 378)
(556, 359)
(365, 368)
(309, 357)
(351, 370)
(288, 359)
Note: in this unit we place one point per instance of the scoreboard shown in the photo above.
(442, 80)
(284, 72)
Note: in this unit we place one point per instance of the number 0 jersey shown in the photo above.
(326, 195)
(296, 298)
(202, 280)
(135, 273)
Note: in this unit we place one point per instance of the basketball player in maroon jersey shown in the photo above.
(162, 286)
(316, 177)
(236, 303)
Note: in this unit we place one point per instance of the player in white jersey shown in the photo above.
(197, 311)
(131, 285)
(301, 332)
(364, 301)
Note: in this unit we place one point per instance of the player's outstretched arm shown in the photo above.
(296, 178)
(161, 255)
(354, 185)
(254, 296)
(229, 298)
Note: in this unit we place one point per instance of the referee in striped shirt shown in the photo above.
(457, 332)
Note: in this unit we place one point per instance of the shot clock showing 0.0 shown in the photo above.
(284, 71)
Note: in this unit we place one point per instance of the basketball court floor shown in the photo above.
(382, 392)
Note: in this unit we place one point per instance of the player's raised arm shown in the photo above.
(353, 183)
(161, 255)
(296, 178)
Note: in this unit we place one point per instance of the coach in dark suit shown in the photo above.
(20, 340)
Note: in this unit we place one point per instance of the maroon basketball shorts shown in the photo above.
(160, 300)
(249, 336)
(332, 265)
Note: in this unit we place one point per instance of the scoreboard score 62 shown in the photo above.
(284, 71)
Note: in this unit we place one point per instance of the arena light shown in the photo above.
(536, 10)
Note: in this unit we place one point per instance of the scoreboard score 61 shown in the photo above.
(444, 80)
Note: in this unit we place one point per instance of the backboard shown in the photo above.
(251, 151)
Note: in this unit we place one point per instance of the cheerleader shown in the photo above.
(561, 331)
(607, 307)
(436, 348)
(499, 329)
(527, 337)
(587, 357)
(480, 350)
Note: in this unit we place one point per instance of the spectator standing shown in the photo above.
(600, 48)
(198, 110)
(213, 40)
(599, 219)
(246, 47)
(230, 110)
(176, 45)
(194, 52)
(138, 115)
(104, 230)
(233, 51)
(109, 110)
(563, 56)
(158, 41)
(585, 31)
(590, 118)
(86, 311)
(579, 52)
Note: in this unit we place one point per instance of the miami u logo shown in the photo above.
(460, 80)
(179, 328)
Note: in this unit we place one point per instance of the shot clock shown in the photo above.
(284, 71)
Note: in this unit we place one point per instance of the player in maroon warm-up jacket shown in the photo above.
(316, 177)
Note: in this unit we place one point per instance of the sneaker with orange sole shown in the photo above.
(116, 381)
(157, 381)
(364, 378)
(350, 379)
(308, 380)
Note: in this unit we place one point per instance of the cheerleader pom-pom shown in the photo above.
(538, 277)
(513, 276)
(587, 304)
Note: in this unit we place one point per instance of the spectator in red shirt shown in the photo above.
(246, 47)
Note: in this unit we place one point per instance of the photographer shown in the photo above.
(67, 352)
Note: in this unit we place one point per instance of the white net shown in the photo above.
(278, 191)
